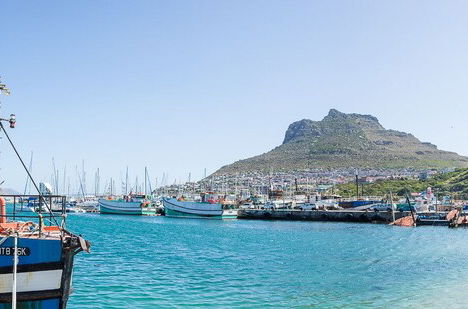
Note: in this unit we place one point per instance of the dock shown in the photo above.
(352, 215)
(342, 215)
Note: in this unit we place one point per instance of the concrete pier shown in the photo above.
(321, 215)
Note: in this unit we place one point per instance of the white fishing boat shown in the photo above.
(210, 206)
(127, 205)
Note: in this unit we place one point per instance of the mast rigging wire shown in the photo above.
(27, 171)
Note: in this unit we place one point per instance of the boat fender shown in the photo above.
(2, 209)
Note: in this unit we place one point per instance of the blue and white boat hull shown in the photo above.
(44, 271)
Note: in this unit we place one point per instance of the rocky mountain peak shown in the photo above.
(359, 119)
(343, 140)
(334, 113)
(302, 128)
(335, 123)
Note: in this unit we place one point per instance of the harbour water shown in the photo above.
(158, 262)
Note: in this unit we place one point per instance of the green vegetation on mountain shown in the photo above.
(347, 141)
(454, 184)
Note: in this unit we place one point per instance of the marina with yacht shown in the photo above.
(288, 203)
(312, 196)
(37, 251)
(233, 154)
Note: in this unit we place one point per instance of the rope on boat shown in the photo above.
(4, 239)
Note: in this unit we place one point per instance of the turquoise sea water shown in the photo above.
(158, 262)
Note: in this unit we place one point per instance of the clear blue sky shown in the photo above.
(183, 85)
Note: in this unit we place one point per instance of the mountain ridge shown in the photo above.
(343, 140)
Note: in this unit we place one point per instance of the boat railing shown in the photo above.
(51, 207)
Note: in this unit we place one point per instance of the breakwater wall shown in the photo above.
(321, 215)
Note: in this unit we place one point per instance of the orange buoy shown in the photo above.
(2, 209)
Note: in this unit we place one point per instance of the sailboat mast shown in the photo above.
(27, 186)
(99, 182)
(55, 177)
(68, 189)
(150, 187)
(95, 183)
(57, 181)
(83, 177)
(64, 179)
(146, 177)
(126, 182)
(81, 183)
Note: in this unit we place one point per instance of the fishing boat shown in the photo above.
(210, 205)
(350, 203)
(87, 203)
(36, 251)
(127, 205)
(36, 257)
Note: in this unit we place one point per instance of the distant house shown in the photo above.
(323, 188)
